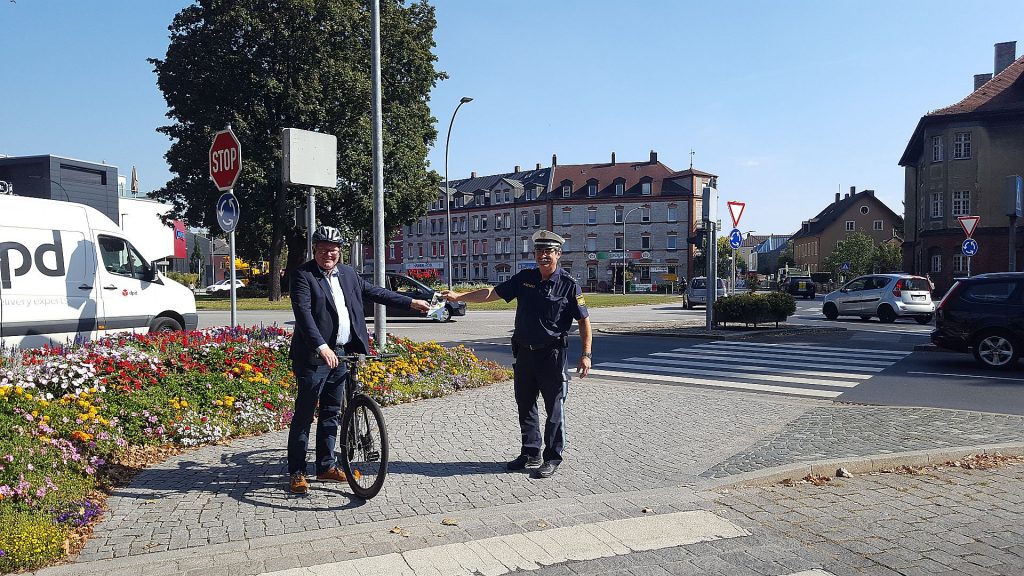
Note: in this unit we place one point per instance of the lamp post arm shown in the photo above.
(447, 193)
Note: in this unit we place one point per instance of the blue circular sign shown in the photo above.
(735, 238)
(969, 247)
(228, 212)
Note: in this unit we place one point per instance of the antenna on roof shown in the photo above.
(691, 158)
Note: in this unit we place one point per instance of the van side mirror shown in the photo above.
(149, 273)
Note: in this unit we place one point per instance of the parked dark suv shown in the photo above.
(984, 314)
(800, 286)
(416, 290)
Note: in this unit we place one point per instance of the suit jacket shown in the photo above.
(316, 317)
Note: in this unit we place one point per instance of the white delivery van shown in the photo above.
(68, 273)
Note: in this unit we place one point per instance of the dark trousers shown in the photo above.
(541, 372)
(316, 383)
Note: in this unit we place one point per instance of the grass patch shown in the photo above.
(218, 302)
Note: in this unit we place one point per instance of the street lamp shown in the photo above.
(447, 195)
(624, 247)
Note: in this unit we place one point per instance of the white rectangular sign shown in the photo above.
(309, 158)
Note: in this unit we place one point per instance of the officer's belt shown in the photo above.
(559, 342)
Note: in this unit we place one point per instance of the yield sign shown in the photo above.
(969, 223)
(736, 211)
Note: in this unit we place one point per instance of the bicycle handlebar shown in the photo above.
(362, 357)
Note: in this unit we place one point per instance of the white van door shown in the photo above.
(129, 297)
(48, 287)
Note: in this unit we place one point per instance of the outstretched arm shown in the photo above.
(476, 296)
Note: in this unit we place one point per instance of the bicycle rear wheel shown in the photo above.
(364, 449)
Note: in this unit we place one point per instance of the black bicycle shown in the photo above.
(363, 446)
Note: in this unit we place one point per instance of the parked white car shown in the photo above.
(224, 286)
(885, 296)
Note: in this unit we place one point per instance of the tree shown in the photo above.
(724, 263)
(857, 250)
(263, 65)
(196, 259)
(888, 257)
(786, 258)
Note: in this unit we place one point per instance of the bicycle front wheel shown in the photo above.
(364, 449)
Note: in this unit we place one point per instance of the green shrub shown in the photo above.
(183, 278)
(755, 308)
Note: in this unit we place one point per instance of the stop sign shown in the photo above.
(225, 159)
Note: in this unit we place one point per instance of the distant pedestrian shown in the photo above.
(327, 299)
(548, 299)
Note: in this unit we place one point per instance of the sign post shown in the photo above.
(735, 237)
(970, 246)
(225, 166)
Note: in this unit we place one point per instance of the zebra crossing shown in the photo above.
(795, 370)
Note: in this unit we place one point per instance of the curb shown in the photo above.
(863, 465)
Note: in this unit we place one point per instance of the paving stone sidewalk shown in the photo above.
(228, 507)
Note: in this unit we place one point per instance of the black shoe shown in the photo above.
(523, 461)
(547, 470)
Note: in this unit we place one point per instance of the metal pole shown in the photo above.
(379, 317)
(310, 221)
(712, 277)
(447, 197)
(234, 300)
(624, 253)
(1013, 244)
(968, 266)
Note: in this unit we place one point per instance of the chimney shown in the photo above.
(472, 174)
(554, 160)
(980, 79)
(853, 190)
(518, 169)
(837, 197)
(1006, 53)
(869, 192)
(654, 157)
(613, 158)
(538, 165)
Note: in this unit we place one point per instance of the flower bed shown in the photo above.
(74, 417)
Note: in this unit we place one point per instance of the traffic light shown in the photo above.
(699, 239)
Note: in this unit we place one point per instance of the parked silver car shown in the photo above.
(885, 296)
(697, 292)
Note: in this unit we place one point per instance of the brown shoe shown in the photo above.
(298, 483)
(334, 474)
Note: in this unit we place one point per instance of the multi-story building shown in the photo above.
(957, 163)
(609, 213)
(855, 212)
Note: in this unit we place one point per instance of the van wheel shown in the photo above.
(923, 319)
(164, 324)
(995, 350)
(886, 315)
(830, 311)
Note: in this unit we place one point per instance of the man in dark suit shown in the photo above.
(327, 299)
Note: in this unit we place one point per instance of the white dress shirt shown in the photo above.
(344, 321)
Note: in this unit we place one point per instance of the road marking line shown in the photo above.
(533, 550)
(815, 393)
(731, 374)
(753, 362)
(728, 368)
(807, 357)
(969, 376)
(810, 348)
(815, 572)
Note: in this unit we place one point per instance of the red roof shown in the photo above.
(1002, 92)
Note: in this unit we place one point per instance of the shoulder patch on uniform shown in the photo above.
(528, 285)
(580, 301)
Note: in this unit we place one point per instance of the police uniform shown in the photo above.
(545, 311)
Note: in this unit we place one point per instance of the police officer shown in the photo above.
(547, 301)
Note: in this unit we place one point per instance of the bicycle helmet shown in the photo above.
(327, 234)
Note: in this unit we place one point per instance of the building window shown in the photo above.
(618, 215)
(645, 242)
(936, 263)
(936, 204)
(485, 246)
(419, 249)
(670, 242)
(566, 191)
(508, 221)
(961, 203)
(529, 194)
(433, 249)
(483, 222)
(851, 225)
(618, 243)
(645, 214)
(419, 227)
(526, 246)
(962, 146)
(591, 216)
(620, 188)
(591, 190)
(592, 244)
(536, 219)
(877, 225)
(864, 209)
(391, 251)
(670, 214)
(459, 201)
(645, 188)
(936, 148)
(526, 220)
(508, 196)
(591, 272)
(959, 263)
(566, 217)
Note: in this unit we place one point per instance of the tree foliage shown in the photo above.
(888, 257)
(858, 250)
(264, 65)
(724, 263)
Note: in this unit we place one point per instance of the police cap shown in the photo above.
(547, 239)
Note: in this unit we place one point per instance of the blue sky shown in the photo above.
(788, 102)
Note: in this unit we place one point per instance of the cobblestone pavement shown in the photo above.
(629, 448)
(945, 520)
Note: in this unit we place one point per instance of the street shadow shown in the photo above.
(445, 469)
